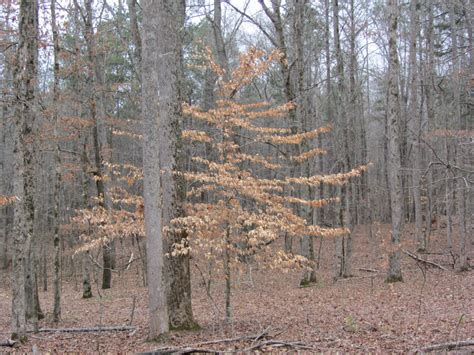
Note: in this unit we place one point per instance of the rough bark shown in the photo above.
(164, 191)
(25, 75)
(394, 158)
(57, 170)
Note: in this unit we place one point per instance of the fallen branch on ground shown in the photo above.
(278, 344)
(368, 270)
(119, 328)
(8, 342)
(447, 346)
(272, 343)
(417, 258)
(187, 350)
(194, 347)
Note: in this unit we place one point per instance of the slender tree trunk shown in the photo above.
(227, 275)
(415, 116)
(275, 17)
(219, 39)
(342, 119)
(3, 183)
(86, 280)
(57, 178)
(394, 159)
(99, 133)
(137, 41)
(466, 203)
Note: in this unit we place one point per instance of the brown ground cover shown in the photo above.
(360, 314)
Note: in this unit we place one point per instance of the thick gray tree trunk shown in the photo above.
(394, 158)
(164, 192)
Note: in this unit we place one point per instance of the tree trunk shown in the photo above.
(25, 76)
(57, 170)
(415, 117)
(394, 158)
(99, 133)
(164, 191)
(86, 281)
(275, 17)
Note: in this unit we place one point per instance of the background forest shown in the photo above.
(223, 174)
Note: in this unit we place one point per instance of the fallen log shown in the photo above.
(8, 342)
(427, 262)
(121, 328)
(447, 346)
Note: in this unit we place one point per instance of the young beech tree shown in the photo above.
(246, 212)
(99, 225)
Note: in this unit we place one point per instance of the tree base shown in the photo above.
(191, 326)
(308, 282)
(394, 278)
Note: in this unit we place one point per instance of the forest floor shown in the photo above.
(358, 314)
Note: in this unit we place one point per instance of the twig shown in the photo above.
(208, 292)
(417, 258)
(459, 323)
(260, 336)
(124, 268)
(87, 330)
(447, 346)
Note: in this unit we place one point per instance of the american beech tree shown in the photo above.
(246, 212)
